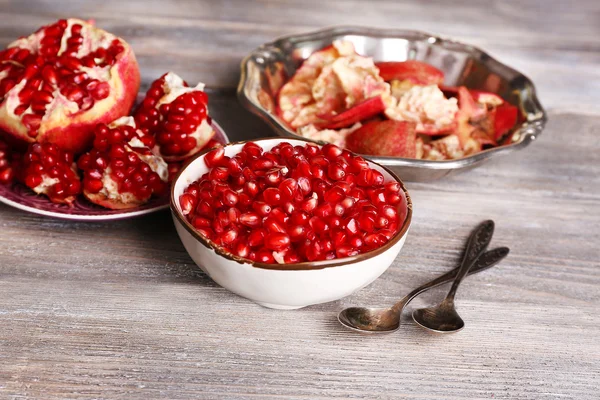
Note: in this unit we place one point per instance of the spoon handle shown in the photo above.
(487, 260)
(478, 242)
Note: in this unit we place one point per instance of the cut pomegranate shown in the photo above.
(177, 116)
(59, 82)
(48, 170)
(121, 171)
(311, 212)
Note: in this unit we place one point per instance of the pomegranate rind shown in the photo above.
(384, 138)
(415, 71)
(113, 204)
(74, 132)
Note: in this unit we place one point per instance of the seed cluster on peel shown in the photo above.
(48, 170)
(177, 123)
(121, 166)
(293, 203)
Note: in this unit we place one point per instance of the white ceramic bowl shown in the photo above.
(282, 286)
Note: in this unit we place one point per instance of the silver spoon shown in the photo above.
(386, 320)
(443, 318)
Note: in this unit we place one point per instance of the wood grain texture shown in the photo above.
(119, 310)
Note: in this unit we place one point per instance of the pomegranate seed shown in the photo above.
(318, 225)
(277, 241)
(252, 149)
(304, 185)
(393, 198)
(229, 236)
(279, 215)
(313, 251)
(309, 204)
(331, 151)
(218, 174)
(242, 250)
(345, 251)
(213, 157)
(265, 256)
(187, 203)
(272, 225)
(256, 238)
(250, 219)
(393, 187)
(324, 210)
(230, 197)
(375, 240)
(299, 217)
(297, 232)
(272, 196)
(334, 195)
(261, 208)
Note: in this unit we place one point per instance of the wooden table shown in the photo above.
(119, 310)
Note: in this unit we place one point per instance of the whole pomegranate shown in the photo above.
(58, 83)
(121, 171)
(177, 116)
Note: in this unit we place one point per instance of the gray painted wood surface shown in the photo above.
(119, 310)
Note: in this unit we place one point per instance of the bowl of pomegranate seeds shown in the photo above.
(288, 223)
(419, 104)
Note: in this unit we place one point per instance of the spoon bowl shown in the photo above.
(441, 319)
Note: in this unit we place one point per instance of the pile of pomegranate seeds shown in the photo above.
(48, 170)
(293, 203)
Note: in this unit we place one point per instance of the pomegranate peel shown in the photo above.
(417, 72)
(505, 117)
(59, 82)
(363, 110)
(384, 138)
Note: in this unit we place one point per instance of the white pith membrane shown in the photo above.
(424, 105)
(110, 188)
(60, 105)
(173, 87)
(46, 184)
(335, 136)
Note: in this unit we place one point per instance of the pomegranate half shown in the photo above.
(58, 83)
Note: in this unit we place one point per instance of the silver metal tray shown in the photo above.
(268, 67)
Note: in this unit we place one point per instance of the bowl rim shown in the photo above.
(302, 266)
(529, 129)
